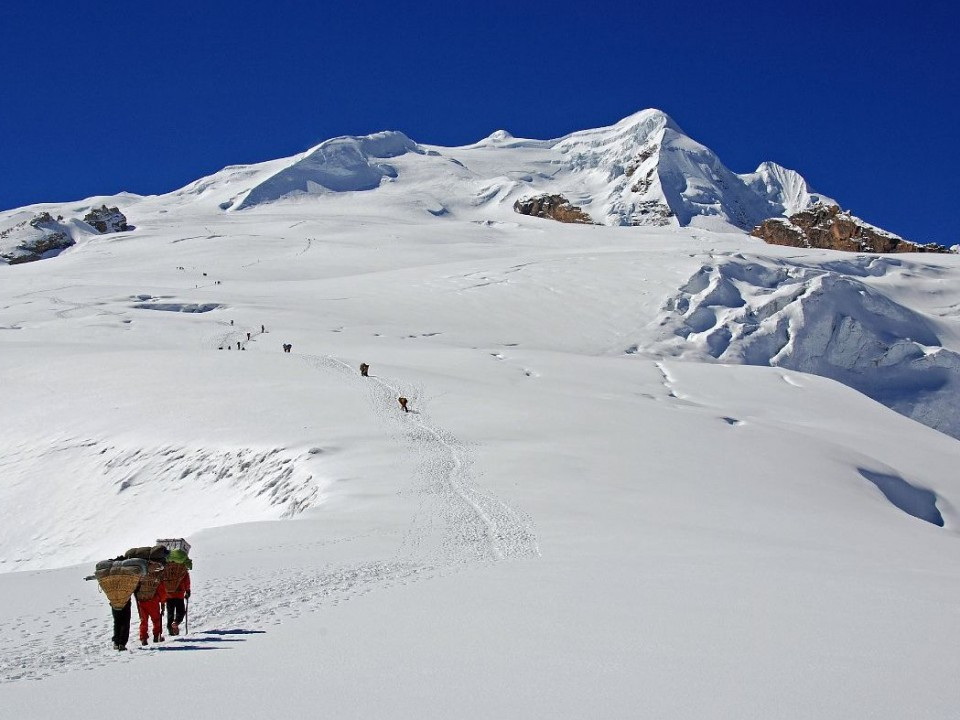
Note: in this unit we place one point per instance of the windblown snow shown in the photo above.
(654, 467)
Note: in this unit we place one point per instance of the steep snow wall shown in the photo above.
(118, 495)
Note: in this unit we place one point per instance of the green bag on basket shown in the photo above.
(179, 556)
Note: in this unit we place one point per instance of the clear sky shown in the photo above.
(861, 98)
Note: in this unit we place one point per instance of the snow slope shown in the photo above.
(621, 493)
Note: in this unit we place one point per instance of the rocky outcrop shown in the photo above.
(827, 227)
(641, 157)
(40, 237)
(555, 207)
(107, 220)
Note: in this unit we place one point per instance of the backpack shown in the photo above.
(157, 553)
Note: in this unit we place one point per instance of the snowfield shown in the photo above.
(665, 472)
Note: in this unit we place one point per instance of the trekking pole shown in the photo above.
(186, 616)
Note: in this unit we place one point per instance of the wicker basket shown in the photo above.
(150, 581)
(172, 575)
(118, 588)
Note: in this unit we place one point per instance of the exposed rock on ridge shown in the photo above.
(555, 207)
(105, 220)
(827, 227)
(40, 237)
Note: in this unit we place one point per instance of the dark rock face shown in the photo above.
(555, 207)
(644, 154)
(651, 212)
(105, 220)
(827, 227)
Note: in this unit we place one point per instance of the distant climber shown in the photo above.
(262, 329)
(403, 403)
(231, 322)
(238, 344)
(248, 337)
(364, 370)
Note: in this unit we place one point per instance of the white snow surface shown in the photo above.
(646, 473)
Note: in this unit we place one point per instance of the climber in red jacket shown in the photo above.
(150, 610)
(175, 606)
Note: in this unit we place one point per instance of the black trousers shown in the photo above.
(175, 611)
(121, 625)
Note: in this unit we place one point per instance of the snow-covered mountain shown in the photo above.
(643, 463)
(642, 170)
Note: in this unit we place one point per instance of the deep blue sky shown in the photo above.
(98, 97)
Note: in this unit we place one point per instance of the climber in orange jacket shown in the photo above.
(150, 610)
(175, 605)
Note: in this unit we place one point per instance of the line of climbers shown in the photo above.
(153, 576)
(288, 347)
(240, 346)
(404, 402)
